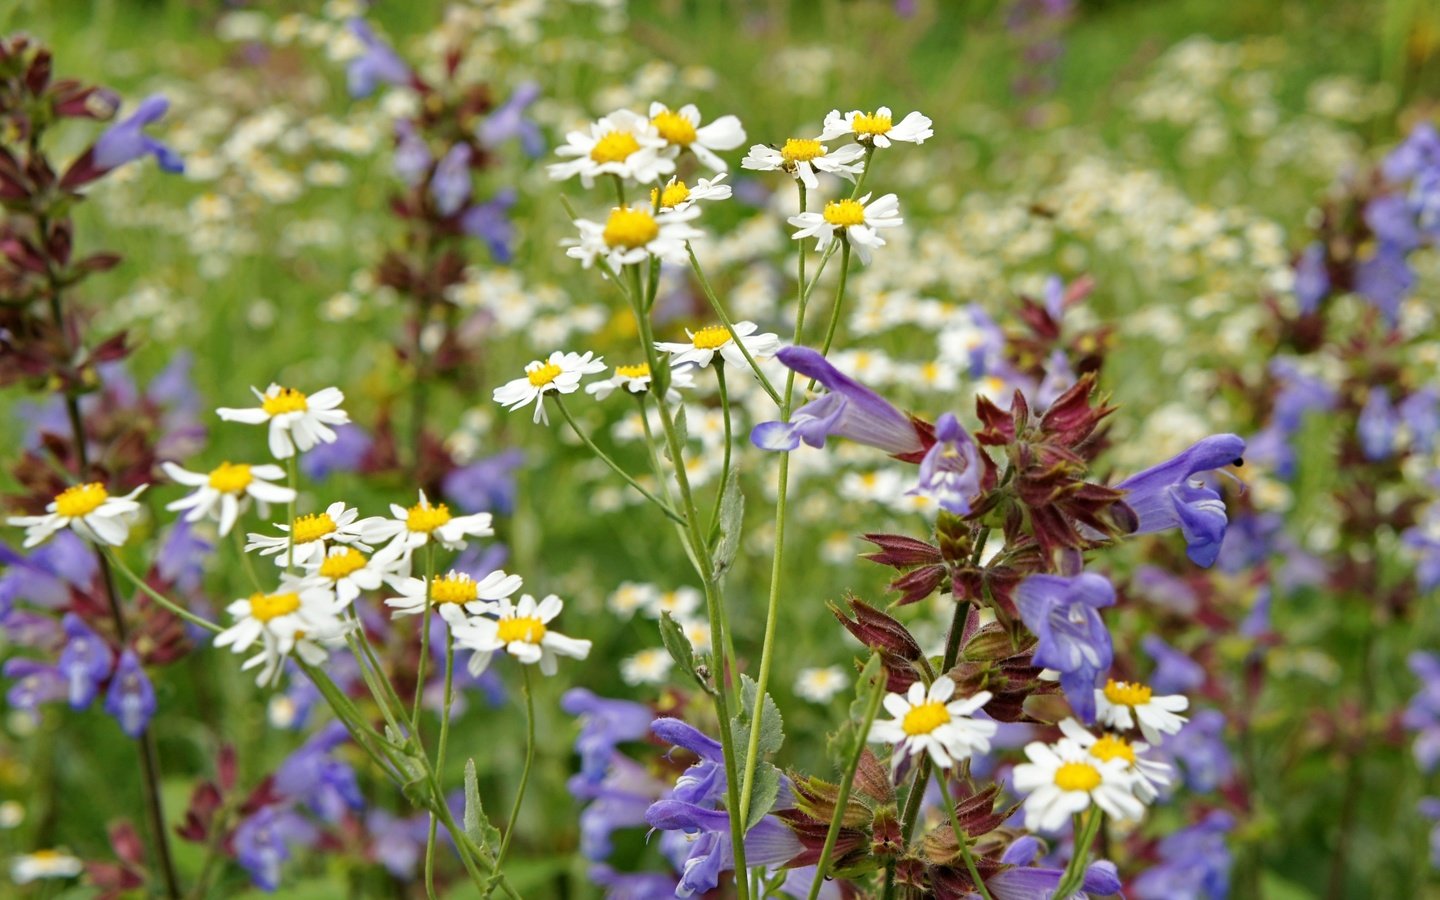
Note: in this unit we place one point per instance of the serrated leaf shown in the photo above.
(772, 726)
(477, 824)
(764, 789)
(679, 648)
(732, 515)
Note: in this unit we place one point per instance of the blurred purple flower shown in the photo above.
(619, 800)
(85, 661)
(1384, 279)
(450, 185)
(412, 154)
(1422, 714)
(131, 698)
(182, 556)
(604, 723)
(634, 885)
(378, 63)
(1200, 749)
(35, 683)
(485, 485)
(45, 576)
(126, 140)
(1166, 590)
(850, 410)
(314, 776)
(1063, 614)
(1420, 413)
(1312, 278)
(346, 453)
(710, 851)
(265, 840)
(397, 844)
(1377, 425)
(1419, 152)
(509, 121)
(490, 222)
(1194, 864)
(1175, 673)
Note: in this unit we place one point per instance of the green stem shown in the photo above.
(614, 466)
(724, 318)
(246, 563)
(725, 463)
(839, 295)
(524, 778)
(961, 838)
(1075, 871)
(424, 641)
(158, 597)
(440, 757)
(293, 478)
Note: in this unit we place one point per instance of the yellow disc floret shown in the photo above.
(640, 370)
(674, 128)
(925, 718)
(614, 147)
(342, 565)
(711, 337)
(457, 587)
(675, 193)
(1125, 693)
(630, 228)
(313, 527)
(230, 478)
(271, 606)
(425, 518)
(527, 629)
(1077, 776)
(542, 374)
(844, 213)
(81, 500)
(868, 125)
(800, 150)
(287, 400)
(1113, 747)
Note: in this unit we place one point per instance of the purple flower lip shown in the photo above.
(126, 141)
(1167, 496)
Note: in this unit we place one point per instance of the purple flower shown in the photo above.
(182, 557)
(35, 683)
(1026, 881)
(126, 140)
(1194, 864)
(1175, 673)
(1200, 749)
(1384, 279)
(710, 852)
(618, 801)
(263, 843)
(45, 576)
(1312, 278)
(486, 485)
(704, 782)
(397, 844)
(1419, 152)
(604, 724)
(633, 885)
(313, 775)
(1256, 623)
(1168, 496)
(1166, 590)
(490, 222)
(450, 185)
(1393, 222)
(509, 121)
(1063, 614)
(378, 63)
(1299, 394)
(1059, 378)
(131, 698)
(950, 471)
(84, 662)
(347, 453)
(1420, 413)
(412, 154)
(1423, 541)
(1422, 714)
(850, 410)
(1376, 425)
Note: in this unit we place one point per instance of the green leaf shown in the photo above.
(772, 726)
(682, 434)
(477, 824)
(678, 645)
(732, 514)
(763, 790)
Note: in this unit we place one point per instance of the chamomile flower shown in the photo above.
(522, 630)
(298, 421)
(561, 373)
(453, 595)
(631, 597)
(678, 196)
(349, 571)
(633, 234)
(44, 864)
(412, 528)
(680, 603)
(930, 722)
(1123, 705)
(621, 143)
(1062, 779)
(89, 510)
(803, 157)
(820, 685)
(712, 339)
(856, 221)
(636, 380)
(295, 618)
(222, 493)
(646, 667)
(314, 534)
(682, 130)
(1150, 776)
(878, 128)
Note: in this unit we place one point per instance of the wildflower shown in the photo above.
(46, 575)
(181, 557)
(315, 776)
(604, 723)
(634, 234)
(855, 221)
(485, 484)
(490, 222)
(950, 470)
(636, 380)
(522, 631)
(710, 851)
(410, 529)
(560, 373)
(412, 154)
(298, 421)
(1174, 671)
(299, 613)
(33, 683)
(1169, 496)
(878, 128)
(1063, 779)
(84, 661)
(713, 339)
(1124, 704)
(131, 698)
(378, 63)
(820, 685)
(1194, 862)
(263, 843)
(450, 185)
(89, 510)
(1199, 749)
(126, 140)
(680, 603)
(1022, 879)
(622, 143)
(618, 799)
(1377, 424)
(221, 493)
(682, 130)
(347, 453)
(350, 571)
(650, 666)
(453, 595)
(509, 121)
(678, 196)
(1150, 776)
(802, 158)
(312, 535)
(930, 722)
(28, 867)
(849, 410)
(1062, 613)
(1312, 278)
(397, 844)
(630, 597)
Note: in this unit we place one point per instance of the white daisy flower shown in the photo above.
(297, 421)
(697, 632)
(802, 158)
(453, 595)
(712, 339)
(522, 631)
(878, 127)
(857, 221)
(680, 603)
(349, 571)
(820, 685)
(1123, 705)
(411, 528)
(561, 373)
(633, 234)
(630, 597)
(678, 196)
(1063, 779)
(621, 143)
(314, 534)
(646, 667)
(28, 867)
(682, 130)
(636, 380)
(930, 722)
(301, 612)
(1150, 776)
(222, 493)
(89, 510)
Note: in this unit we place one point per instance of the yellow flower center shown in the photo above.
(81, 500)
(521, 628)
(675, 193)
(844, 213)
(271, 606)
(630, 228)
(867, 125)
(1112, 747)
(231, 479)
(1124, 693)
(312, 527)
(800, 150)
(342, 564)
(1077, 776)
(674, 128)
(425, 518)
(642, 370)
(614, 147)
(287, 400)
(457, 587)
(543, 374)
(925, 718)
(711, 337)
